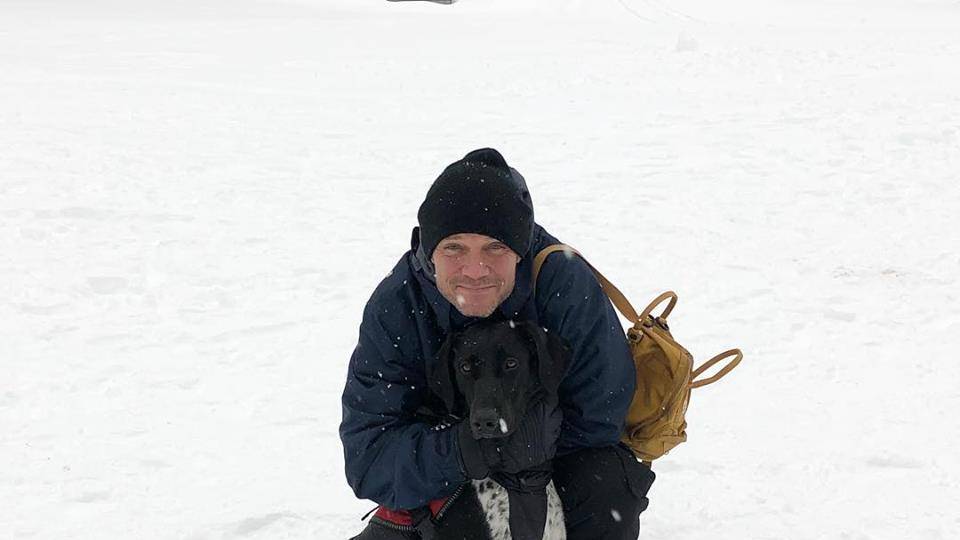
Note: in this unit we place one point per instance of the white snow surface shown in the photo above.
(197, 199)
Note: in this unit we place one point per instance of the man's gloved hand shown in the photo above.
(534, 442)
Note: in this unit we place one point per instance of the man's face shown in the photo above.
(474, 272)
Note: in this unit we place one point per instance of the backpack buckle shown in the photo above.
(653, 320)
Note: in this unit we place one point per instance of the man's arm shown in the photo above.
(599, 385)
(390, 458)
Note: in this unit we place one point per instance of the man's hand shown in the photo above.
(533, 443)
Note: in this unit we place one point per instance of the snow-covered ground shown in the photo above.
(197, 198)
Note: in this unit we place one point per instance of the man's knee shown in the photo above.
(603, 491)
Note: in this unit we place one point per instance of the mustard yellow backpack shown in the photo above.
(656, 420)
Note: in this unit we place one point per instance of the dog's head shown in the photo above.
(494, 369)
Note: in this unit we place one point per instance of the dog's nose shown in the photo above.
(486, 424)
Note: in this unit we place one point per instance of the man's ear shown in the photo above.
(550, 353)
(440, 377)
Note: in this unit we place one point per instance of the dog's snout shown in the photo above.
(486, 423)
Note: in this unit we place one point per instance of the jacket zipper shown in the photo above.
(392, 525)
(410, 528)
(448, 502)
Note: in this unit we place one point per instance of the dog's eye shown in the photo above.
(510, 363)
(466, 367)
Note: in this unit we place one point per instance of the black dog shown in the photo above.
(490, 374)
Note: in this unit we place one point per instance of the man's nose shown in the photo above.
(475, 268)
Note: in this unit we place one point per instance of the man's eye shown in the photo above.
(510, 363)
(465, 367)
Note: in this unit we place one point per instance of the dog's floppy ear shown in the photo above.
(550, 353)
(440, 376)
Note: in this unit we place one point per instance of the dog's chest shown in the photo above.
(496, 507)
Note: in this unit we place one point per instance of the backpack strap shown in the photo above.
(738, 356)
(624, 307)
(617, 297)
(656, 302)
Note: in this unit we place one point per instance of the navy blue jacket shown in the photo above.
(397, 460)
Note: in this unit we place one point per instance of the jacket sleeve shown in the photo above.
(598, 388)
(390, 458)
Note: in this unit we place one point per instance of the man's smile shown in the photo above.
(477, 289)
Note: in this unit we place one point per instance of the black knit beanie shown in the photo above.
(478, 194)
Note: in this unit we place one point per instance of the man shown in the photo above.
(471, 258)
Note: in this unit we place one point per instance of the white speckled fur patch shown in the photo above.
(496, 507)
